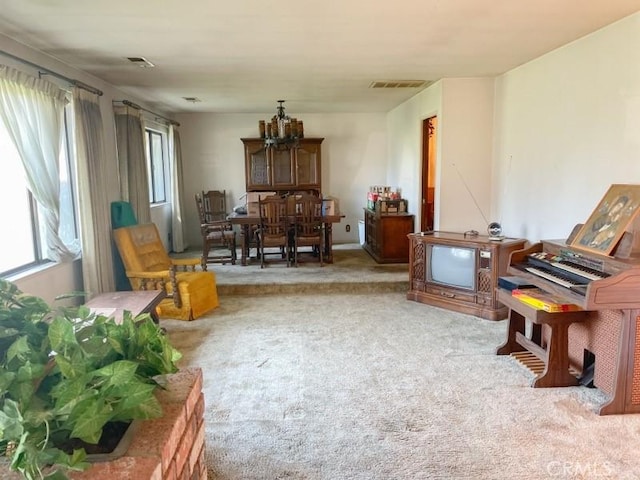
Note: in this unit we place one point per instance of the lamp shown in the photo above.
(281, 131)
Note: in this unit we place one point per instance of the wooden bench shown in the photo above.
(556, 354)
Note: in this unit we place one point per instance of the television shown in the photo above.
(453, 266)
(459, 271)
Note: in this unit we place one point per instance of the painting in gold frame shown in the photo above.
(608, 222)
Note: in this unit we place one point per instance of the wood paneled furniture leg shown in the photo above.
(556, 354)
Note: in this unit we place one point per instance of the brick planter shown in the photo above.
(167, 448)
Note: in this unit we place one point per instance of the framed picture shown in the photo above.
(609, 220)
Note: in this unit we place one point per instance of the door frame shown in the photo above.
(428, 173)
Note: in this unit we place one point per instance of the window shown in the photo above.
(156, 163)
(18, 228)
(22, 234)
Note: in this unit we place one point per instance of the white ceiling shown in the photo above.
(321, 56)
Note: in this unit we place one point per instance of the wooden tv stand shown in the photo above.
(491, 261)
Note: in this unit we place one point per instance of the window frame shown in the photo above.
(149, 132)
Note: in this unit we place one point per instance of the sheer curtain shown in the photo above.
(132, 161)
(97, 265)
(175, 161)
(32, 110)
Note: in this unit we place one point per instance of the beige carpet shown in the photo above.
(372, 386)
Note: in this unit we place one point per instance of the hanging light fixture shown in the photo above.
(281, 131)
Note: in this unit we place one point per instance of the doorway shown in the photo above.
(429, 135)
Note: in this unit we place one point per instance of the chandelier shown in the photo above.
(281, 131)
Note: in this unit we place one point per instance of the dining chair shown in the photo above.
(308, 226)
(217, 232)
(274, 230)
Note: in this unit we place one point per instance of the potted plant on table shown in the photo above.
(69, 377)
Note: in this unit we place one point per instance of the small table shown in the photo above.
(114, 304)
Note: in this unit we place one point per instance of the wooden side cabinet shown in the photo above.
(271, 168)
(386, 236)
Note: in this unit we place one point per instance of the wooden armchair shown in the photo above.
(190, 293)
(308, 226)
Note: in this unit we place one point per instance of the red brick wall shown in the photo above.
(167, 448)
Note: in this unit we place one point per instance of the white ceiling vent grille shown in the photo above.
(141, 62)
(399, 84)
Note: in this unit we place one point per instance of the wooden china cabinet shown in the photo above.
(276, 168)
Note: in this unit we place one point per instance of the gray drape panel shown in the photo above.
(177, 185)
(95, 224)
(132, 161)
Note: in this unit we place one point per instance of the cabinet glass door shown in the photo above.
(307, 162)
(282, 164)
(257, 167)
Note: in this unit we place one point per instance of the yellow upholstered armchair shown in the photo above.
(190, 293)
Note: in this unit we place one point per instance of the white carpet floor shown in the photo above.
(372, 386)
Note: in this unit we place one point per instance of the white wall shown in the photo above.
(567, 126)
(464, 107)
(353, 157)
(53, 280)
(463, 195)
(538, 146)
(404, 124)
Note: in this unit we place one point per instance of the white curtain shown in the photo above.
(132, 161)
(175, 161)
(32, 110)
(97, 266)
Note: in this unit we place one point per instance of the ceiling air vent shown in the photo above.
(141, 62)
(192, 99)
(399, 84)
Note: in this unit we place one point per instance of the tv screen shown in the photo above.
(453, 266)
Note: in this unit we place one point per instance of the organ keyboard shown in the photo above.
(550, 275)
(593, 281)
(560, 270)
(567, 265)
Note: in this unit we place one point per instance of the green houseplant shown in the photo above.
(66, 374)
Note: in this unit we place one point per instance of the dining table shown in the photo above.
(246, 222)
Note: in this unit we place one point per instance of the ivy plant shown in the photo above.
(65, 373)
